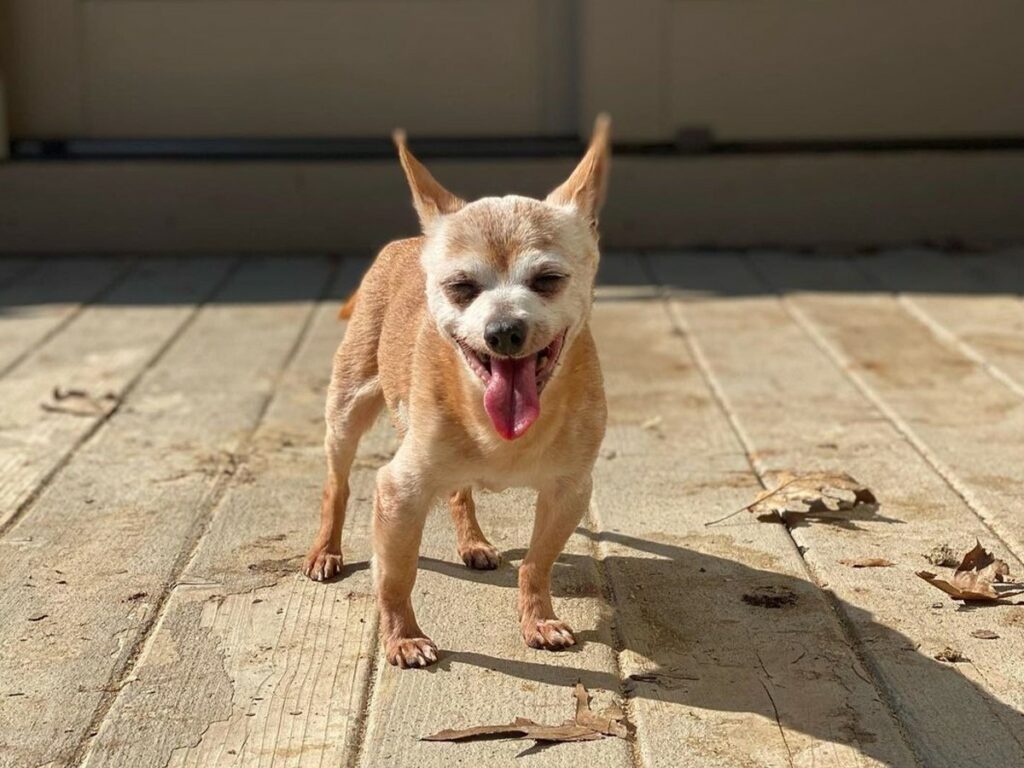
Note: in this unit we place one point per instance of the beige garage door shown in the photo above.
(747, 70)
(295, 68)
(798, 69)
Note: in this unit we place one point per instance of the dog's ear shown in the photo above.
(428, 197)
(584, 190)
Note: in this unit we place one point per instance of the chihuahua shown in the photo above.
(476, 337)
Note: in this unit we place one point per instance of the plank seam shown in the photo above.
(198, 530)
(846, 367)
(679, 322)
(607, 587)
(47, 480)
(949, 338)
(129, 266)
(372, 674)
(943, 334)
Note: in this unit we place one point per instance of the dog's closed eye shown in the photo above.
(548, 283)
(461, 291)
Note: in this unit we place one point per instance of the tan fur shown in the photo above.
(396, 353)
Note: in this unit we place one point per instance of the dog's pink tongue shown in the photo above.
(511, 397)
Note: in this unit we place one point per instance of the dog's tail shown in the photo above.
(348, 307)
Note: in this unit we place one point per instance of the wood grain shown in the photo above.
(719, 678)
(87, 569)
(798, 410)
(102, 354)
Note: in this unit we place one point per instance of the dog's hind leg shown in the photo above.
(354, 400)
(474, 548)
(560, 507)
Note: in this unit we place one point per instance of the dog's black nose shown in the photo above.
(505, 337)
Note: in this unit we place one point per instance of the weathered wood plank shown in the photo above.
(969, 425)
(971, 302)
(101, 353)
(798, 411)
(717, 681)
(251, 662)
(40, 304)
(84, 574)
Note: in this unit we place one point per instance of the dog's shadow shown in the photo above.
(720, 635)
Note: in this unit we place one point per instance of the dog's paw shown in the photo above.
(480, 556)
(406, 652)
(321, 563)
(548, 634)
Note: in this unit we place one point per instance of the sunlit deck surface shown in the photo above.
(161, 450)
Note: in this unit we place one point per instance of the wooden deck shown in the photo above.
(160, 445)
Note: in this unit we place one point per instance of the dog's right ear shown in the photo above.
(428, 197)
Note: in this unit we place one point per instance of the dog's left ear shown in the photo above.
(585, 189)
(428, 197)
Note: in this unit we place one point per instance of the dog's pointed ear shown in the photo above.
(428, 197)
(585, 188)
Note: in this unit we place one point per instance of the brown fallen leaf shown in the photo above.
(975, 578)
(868, 562)
(813, 492)
(984, 634)
(807, 493)
(587, 725)
(608, 722)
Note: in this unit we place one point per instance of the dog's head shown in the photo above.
(510, 279)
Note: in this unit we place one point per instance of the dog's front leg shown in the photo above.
(399, 510)
(560, 507)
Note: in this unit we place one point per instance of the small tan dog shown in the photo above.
(476, 337)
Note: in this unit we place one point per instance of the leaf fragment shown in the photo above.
(587, 725)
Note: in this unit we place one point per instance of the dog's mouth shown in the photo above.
(512, 385)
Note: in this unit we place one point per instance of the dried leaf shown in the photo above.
(520, 729)
(813, 492)
(984, 563)
(586, 726)
(802, 494)
(609, 722)
(975, 578)
(868, 562)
